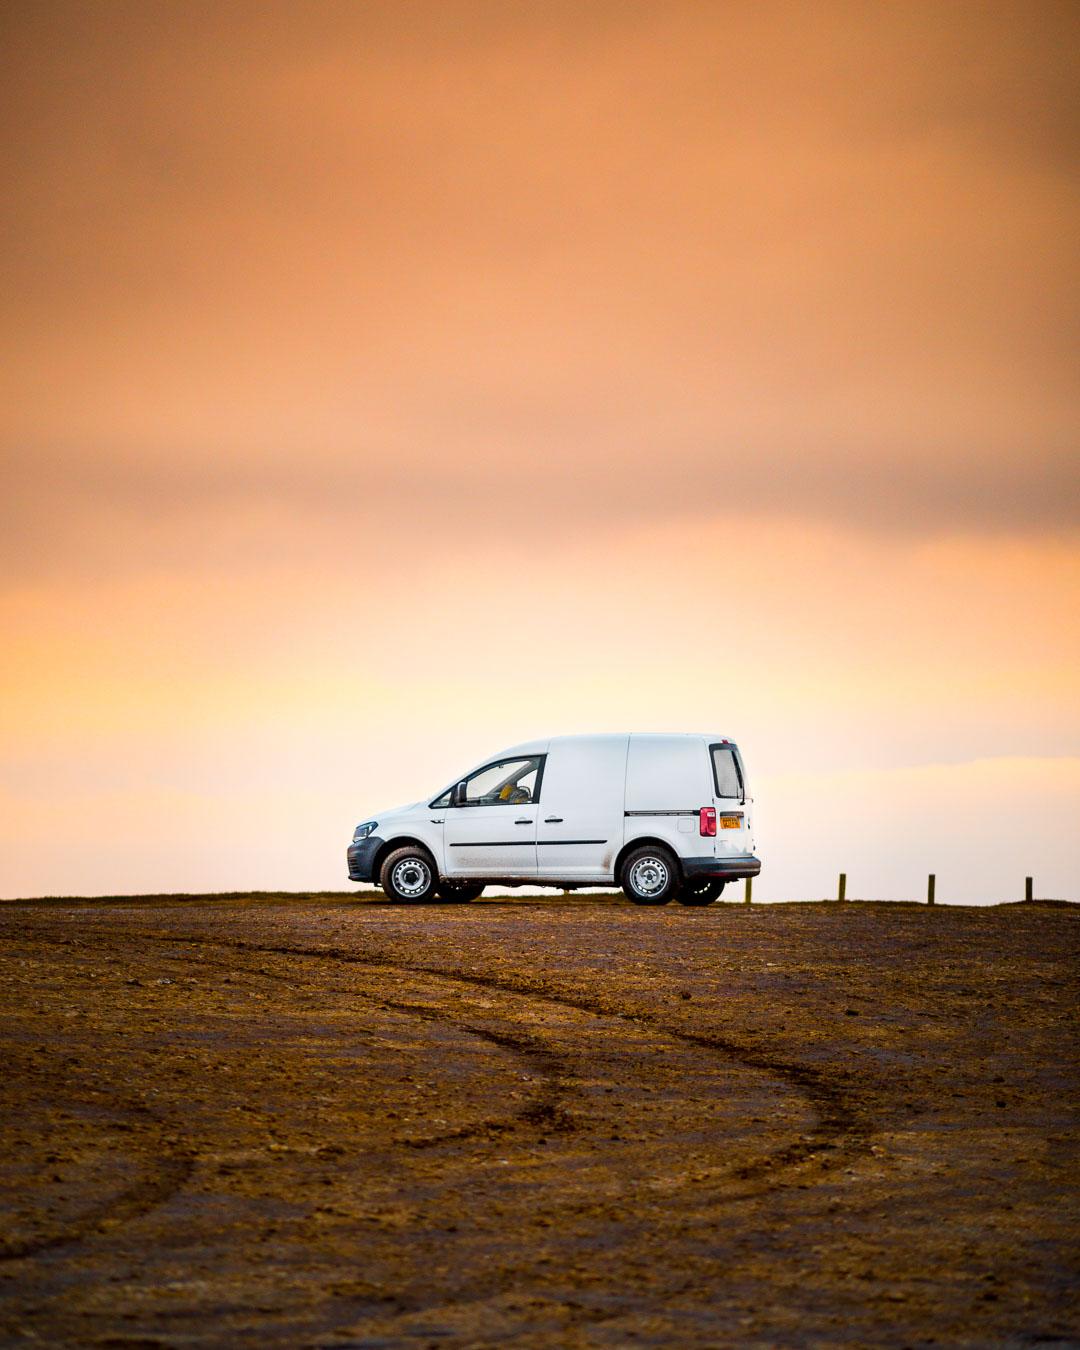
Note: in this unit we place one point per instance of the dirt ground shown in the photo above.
(328, 1123)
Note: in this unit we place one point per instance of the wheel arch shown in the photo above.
(401, 841)
(639, 842)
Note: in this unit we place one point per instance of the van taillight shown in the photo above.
(708, 820)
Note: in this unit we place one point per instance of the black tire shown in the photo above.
(409, 876)
(459, 892)
(700, 892)
(650, 875)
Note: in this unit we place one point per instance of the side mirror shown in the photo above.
(457, 797)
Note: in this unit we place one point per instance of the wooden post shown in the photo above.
(842, 892)
(747, 899)
(1029, 889)
(931, 884)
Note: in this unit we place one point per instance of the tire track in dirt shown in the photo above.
(841, 1132)
(169, 1175)
(843, 1128)
(165, 1171)
(840, 1129)
(837, 1131)
(837, 1119)
(532, 1051)
(543, 1112)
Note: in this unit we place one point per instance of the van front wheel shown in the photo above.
(408, 875)
(650, 876)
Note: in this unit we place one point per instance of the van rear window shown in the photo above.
(726, 772)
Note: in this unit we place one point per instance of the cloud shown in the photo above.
(633, 260)
(78, 517)
(380, 382)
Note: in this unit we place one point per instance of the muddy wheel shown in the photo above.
(650, 875)
(408, 875)
(459, 892)
(699, 892)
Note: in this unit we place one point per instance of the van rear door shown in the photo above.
(732, 801)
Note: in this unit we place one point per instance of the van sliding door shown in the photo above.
(580, 819)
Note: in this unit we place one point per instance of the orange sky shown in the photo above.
(384, 383)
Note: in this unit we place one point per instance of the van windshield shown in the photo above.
(726, 772)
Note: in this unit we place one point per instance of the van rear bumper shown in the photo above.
(728, 868)
(361, 857)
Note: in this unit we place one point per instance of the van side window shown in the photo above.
(511, 782)
(726, 772)
(442, 801)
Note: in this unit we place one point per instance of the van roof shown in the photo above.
(540, 747)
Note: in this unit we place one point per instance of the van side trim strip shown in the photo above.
(522, 843)
(690, 811)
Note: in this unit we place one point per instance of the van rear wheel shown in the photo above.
(408, 875)
(700, 892)
(650, 875)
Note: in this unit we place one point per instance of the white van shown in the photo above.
(666, 817)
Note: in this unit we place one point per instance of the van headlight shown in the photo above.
(362, 831)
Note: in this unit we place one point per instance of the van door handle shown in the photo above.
(553, 820)
(526, 821)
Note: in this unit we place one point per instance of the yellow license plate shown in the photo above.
(730, 822)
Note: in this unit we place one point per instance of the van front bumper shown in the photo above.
(728, 868)
(361, 858)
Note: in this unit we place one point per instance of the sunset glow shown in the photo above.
(382, 384)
